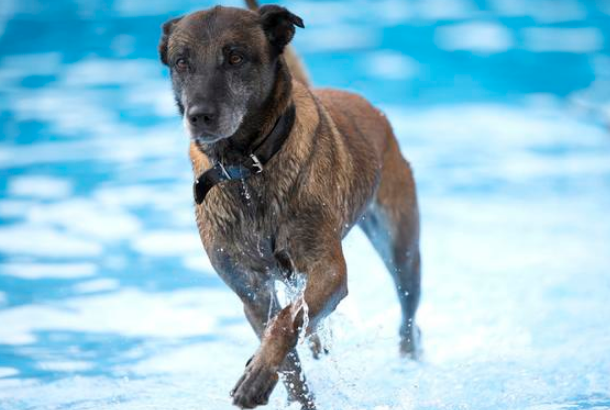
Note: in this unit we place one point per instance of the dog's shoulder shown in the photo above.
(363, 125)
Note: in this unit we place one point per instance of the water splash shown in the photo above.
(246, 192)
(292, 292)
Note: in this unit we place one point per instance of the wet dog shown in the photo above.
(283, 172)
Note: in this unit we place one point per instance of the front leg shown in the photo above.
(258, 311)
(326, 286)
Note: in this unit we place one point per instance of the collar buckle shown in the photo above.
(224, 170)
(256, 164)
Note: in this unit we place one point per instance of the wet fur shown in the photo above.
(293, 61)
(339, 167)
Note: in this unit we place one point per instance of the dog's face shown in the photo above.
(223, 63)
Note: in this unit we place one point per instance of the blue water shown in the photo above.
(107, 300)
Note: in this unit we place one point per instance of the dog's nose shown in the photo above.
(199, 115)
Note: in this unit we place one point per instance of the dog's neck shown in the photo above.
(257, 124)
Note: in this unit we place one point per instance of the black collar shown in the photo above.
(254, 162)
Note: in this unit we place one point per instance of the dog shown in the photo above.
(282, 173)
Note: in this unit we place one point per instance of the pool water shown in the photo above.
(107, 300)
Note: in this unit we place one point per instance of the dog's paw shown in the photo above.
(255, 385)
(316, 346)
(410, 343)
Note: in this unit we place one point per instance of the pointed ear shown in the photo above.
(278, 24)
(168, 26)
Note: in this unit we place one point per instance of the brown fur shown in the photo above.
(340, 166)
(340, 156)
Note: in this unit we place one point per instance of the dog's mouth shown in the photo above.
(206, 136)
(206, 139)
(224, 128)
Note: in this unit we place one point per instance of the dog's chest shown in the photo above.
(239, 225)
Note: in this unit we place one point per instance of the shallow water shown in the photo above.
(107, 300)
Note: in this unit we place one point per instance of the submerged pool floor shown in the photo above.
(107, 300)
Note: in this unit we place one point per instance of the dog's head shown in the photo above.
(223, 63)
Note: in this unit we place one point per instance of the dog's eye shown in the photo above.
(235, 59)
(181, 64)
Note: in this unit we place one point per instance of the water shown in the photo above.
(108, 302)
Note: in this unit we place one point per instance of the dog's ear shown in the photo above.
(278, 24)
(168, 26)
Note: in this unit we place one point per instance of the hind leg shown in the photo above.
(392, 225)
(408, 287)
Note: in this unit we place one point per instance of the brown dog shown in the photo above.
(283, 173)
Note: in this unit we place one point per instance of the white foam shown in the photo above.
(97, 285)
(154, 94)
(129, 312)
(39, 186)
(83, 110)
(34, 240)
(512, 127)
(167, 198)
(199, 262)
(478, 37)
(181, 360)
(65, 366)
(80, 113)
(97, 71)
(132, 195)
(568, 40)
(499, 311)
(168, 243)
(391, 65)
(26, 270)
(12, 208)
(158, 143)
(8, 372)
(87, 218)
